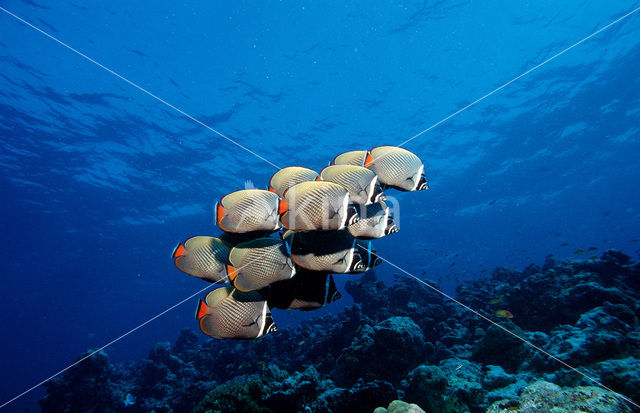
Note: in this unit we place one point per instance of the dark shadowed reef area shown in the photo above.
(403, 342)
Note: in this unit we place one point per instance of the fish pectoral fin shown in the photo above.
(334, 212)
(250, 324)
(341, 260)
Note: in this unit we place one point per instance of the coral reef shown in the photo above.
(403, 343)
(398, 406)
(543, 396)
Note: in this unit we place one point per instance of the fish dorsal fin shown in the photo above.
(324, 169)
(290, 176)
(203, 240)
(284, 194)
(258, 243)
(216, 296)
(350, 158)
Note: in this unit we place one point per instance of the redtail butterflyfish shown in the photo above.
(258, 263)
(229, 313)
(318, 205)
(350, 158)
(307, 290)
(331, 251)
(249, 210)
(362, 183)
(375, 221)
(397, 168)
(287, 177)
(203, 257)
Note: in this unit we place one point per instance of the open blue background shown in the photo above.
(99, 181)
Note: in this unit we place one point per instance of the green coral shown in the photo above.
(242, 395)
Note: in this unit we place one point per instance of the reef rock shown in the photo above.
(453, 386)
(543, 396)
(93, 385)
(498, 347)
(495, 377)
(398, 406)
(388, 349)
(621, 375)
(599, 334)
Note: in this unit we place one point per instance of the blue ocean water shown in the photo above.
(100, 180)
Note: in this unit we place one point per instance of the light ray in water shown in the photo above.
(140, 88)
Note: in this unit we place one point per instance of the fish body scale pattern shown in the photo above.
(252, 213)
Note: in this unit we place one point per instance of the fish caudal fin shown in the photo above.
(368, 160)
(232, 272)
(283, 206)
(178, 251)
(202, 310)
(219, 212)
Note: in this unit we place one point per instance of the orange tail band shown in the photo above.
(178, 251)
(368, 160)
(202, 310)
(232, 272)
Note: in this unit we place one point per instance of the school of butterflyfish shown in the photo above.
(325, 222)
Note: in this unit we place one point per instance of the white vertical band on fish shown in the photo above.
(140, 88)
(524, 340)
